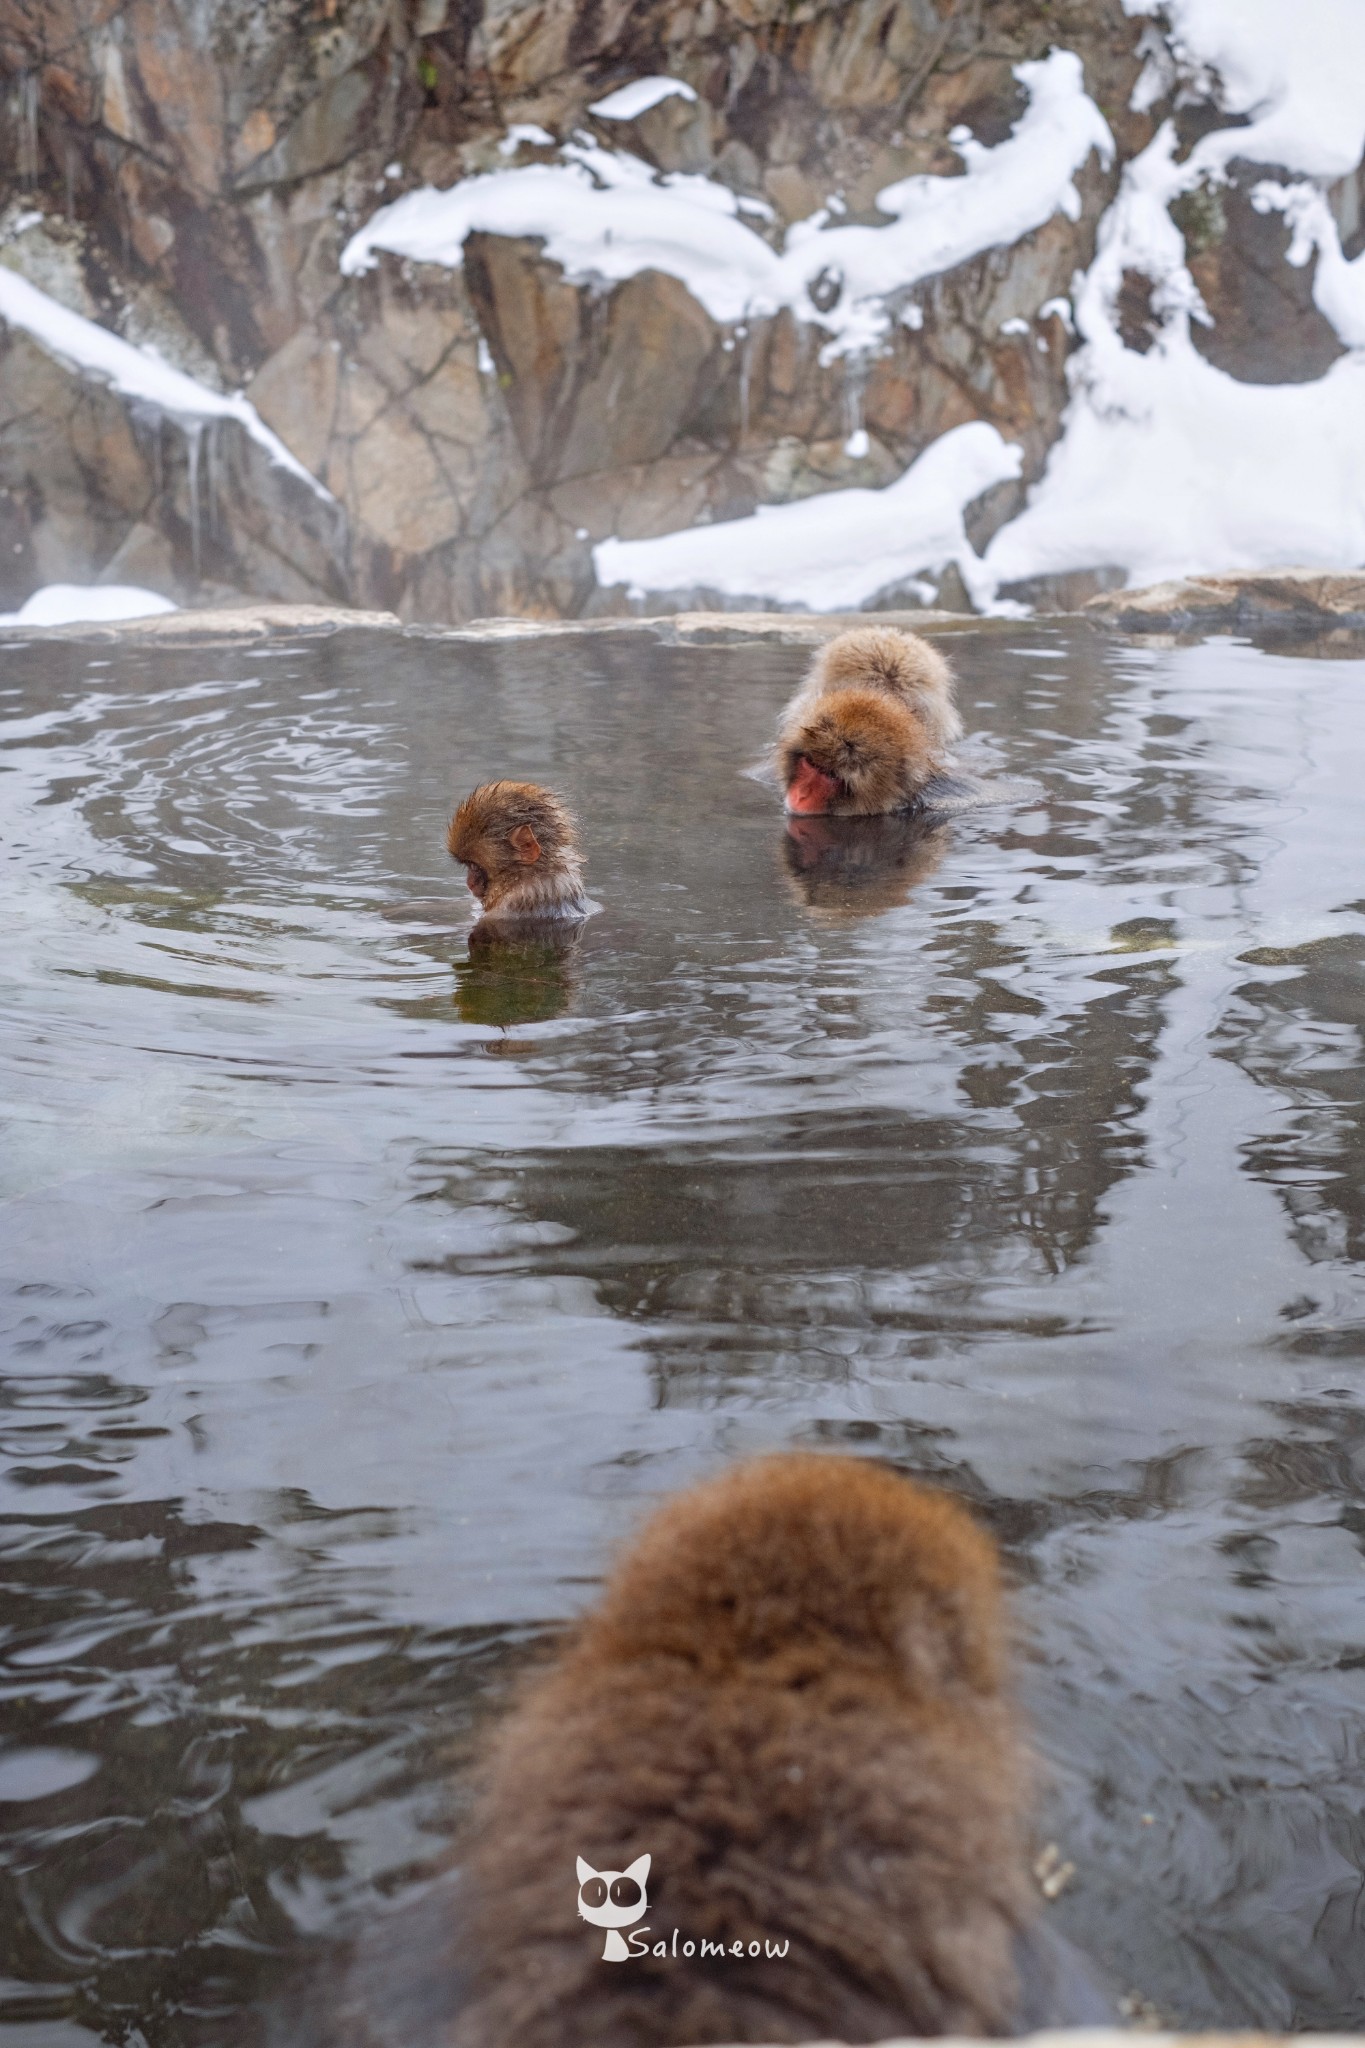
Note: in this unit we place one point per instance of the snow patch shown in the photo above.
(1167, 466)
(1296, 70)
(628, 102)
(524, 131)
(606, 214)
(74, 604)
(136, 373)
(834, 552)
(1338, 286)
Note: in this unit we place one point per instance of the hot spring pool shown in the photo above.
(356, 1299)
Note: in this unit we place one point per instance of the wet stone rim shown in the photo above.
(1242, 600)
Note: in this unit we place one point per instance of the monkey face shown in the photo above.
(857, 753)
(811, 792)
(476, 879)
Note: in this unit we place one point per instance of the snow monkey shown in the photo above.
(869, 727)
(792, 1699)
(520, 853)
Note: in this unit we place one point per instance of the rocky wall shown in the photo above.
(189, 171)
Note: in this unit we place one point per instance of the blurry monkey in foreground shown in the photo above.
(793, 1700)
(793, 1696)
(869, 728)
(847, 868)
(517, 844)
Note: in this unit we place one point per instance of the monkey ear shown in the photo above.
(524, 844)
(585, 1871)
(639, 1870)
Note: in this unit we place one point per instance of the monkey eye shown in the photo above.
(593, 1891)
(625, 1892)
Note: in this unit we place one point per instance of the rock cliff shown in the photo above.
(190, 174)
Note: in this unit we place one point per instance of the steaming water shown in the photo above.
(357, 1298)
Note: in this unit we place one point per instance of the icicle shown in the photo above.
(855, 385)
(212, 465)
(194, 434)
(746, 364)
(27, 92)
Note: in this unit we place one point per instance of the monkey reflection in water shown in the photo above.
(517, 975)
(847, 868)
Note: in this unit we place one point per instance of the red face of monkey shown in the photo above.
(811, 791)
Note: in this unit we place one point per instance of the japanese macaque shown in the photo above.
(870, 726)
(848, 868)
(520, 853)
(793, 1700)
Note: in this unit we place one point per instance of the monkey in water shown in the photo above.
(793, 1701)
(869, 728)
(517, 844)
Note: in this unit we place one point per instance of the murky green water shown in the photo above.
(357, 1298)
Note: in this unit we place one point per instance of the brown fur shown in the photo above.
(879, 752)
(493, 834)
(884, 658)
(792, 1696)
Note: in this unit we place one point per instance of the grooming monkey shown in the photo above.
(517, 844)
(869, 728)
(793, 1697)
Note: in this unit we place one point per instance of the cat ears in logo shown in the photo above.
(639, 1870)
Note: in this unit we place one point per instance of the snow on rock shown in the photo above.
(519, 132)
(601, 214)
(628, 102)
(74, 604)
(135, 373)
(1338, 286)
(605, 214)
(834, 552)
(1295, 69)
(1167, 464)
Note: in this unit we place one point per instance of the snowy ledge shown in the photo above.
(1255, 599)
(251, 622)
(1250, 600)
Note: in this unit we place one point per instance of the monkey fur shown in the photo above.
(870, 726)
(793, 1695)
(517, 844)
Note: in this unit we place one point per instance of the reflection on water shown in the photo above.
(858, 867)
(517, 973)
(1026, 1154)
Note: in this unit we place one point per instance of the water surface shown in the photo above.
(358, 1295)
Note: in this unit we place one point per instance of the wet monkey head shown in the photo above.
(517, 845)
